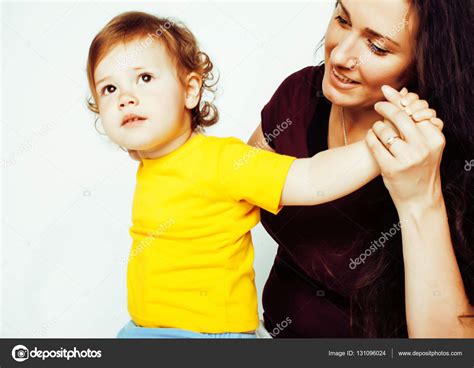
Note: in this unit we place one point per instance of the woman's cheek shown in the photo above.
(382, 70)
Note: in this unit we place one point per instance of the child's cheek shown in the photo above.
(104, 106)
(105, 112)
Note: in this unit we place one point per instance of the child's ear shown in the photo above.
(193, 88)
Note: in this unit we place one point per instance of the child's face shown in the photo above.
(146, 85)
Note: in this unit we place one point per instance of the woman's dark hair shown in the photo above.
(443, 74)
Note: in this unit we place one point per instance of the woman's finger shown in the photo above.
(380, 152)
(433, 136)
(404, 91)
(425, 114)
(400, 119)
(389, 138)
(437, 123)
(392, 95)
(416, 106)
(431, 130)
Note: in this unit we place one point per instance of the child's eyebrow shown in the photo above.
(107, 77)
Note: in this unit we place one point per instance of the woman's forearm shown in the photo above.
(434, 290)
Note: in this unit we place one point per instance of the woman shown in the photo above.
(396, 257)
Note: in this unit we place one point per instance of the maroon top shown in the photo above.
(311, 280)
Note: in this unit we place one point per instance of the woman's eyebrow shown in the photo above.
(367, 30)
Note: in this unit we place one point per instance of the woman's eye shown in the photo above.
(341, 20)
(107, 90)
(373, 47)
(376, 50)
(145, 77)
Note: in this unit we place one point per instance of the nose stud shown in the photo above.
(353, 64)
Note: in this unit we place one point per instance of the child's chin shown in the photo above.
(139, 146)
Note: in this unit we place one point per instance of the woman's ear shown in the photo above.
(193, 89)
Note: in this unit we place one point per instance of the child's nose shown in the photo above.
(127, 100)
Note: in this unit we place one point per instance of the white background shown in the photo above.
(67, 191)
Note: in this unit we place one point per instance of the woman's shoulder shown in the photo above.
(296, 99)
(308, 79)
(298, 89)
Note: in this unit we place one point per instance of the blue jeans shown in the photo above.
(132, 331)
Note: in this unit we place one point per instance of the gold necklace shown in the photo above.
(343, 122)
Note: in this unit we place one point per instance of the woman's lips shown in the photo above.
(342, 83)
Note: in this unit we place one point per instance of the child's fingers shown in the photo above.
(409, 99)
(416, 106)
(404, 91)
(425, 114)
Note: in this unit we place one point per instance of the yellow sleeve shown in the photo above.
(252, 174)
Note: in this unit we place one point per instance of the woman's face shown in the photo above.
(370, 43)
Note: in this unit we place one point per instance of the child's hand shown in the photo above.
(134, 154)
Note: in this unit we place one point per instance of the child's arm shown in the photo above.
(329, 175)
(337, 172)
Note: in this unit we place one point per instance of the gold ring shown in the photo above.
(390, 141)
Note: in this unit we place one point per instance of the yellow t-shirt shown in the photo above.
(190, 264)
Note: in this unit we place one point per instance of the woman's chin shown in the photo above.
(338, 97)
(333, 94)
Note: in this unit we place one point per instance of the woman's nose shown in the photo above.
(345, 54)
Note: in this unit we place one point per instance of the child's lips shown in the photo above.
(132, 119)
(133, 123)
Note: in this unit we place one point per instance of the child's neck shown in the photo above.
(167, 148)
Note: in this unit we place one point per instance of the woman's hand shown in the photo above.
(409, 160)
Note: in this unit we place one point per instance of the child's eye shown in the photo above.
(376, 50)
(108, 89)
(145, 77)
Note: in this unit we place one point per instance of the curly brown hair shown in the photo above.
(179, 42)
